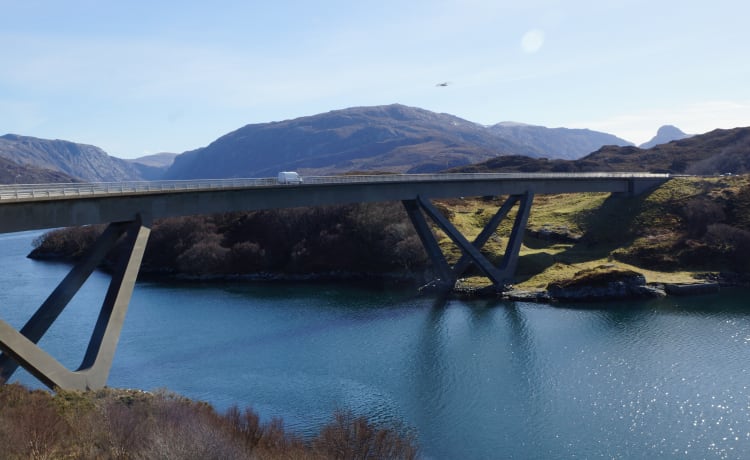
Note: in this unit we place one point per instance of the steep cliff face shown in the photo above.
(84, 162)
(13, 173)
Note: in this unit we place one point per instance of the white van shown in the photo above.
(289, 177)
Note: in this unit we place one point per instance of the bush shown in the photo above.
(363, 238)
(205, 256)
(67, 244)
(350, 437)
(699, 213)
(138, 425)
(732, 243)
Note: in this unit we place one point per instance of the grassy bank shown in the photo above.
(680, 231)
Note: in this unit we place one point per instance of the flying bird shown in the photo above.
(445, 83)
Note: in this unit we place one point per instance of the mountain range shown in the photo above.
(721, 151)
(390, 138)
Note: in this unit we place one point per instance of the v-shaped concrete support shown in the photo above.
(444, 272)
(448, 275)
(19, 347)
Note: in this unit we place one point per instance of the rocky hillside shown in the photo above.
(13, 173)
(393, 138)
(559, 143)
(80, 161)
(721, 151)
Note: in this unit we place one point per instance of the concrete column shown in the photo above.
(48, 312)
(19, 348)
(464, 262)
(510, 259)
(430, 244)
(500, 276)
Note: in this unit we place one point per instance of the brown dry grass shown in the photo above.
(128, 424)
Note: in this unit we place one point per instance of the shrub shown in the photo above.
(699, 213)
(205, 256)
(731, 242)
(66, 243)
(350, 437)
(130, 424)
(247, 257)
(363, 238)
(30, 426)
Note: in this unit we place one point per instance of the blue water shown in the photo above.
(483, 379)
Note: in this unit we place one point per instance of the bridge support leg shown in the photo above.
(19, 347)
(446, 279)
(510, 259)
(499, 276)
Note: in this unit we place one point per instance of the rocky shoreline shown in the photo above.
(604, 284)
(614, 292)
(601, 284)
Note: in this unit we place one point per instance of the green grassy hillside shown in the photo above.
(685, 228)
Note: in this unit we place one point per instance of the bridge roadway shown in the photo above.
(28, 207)
(129, 208)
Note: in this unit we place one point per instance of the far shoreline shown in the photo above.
(421, 283)
(421, 288)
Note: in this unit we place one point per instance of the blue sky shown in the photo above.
(138, 77)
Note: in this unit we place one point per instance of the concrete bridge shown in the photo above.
(130, 208)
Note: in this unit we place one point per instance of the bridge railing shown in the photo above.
(108, 188)
(15, 192)
(473, 176)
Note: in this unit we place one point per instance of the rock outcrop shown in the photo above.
(603, 283)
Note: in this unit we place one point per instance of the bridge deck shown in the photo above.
(26, 207)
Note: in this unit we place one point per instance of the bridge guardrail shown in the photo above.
(30, 192)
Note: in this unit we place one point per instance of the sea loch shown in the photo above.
(658, 379)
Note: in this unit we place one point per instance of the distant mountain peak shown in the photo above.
(664, 134)
(670, 130)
